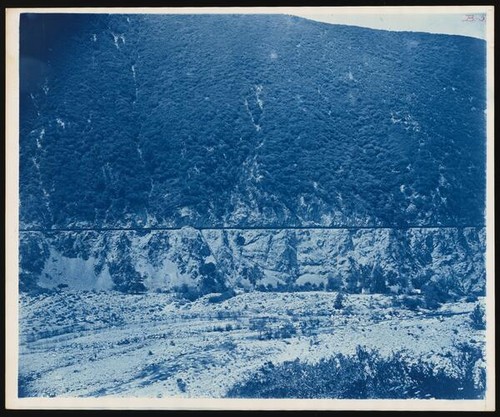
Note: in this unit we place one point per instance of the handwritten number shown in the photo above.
(474, 18)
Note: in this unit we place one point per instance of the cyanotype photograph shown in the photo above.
(253, 205)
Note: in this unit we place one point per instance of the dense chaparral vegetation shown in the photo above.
(367, 374)
(252, 121)
(247, 120)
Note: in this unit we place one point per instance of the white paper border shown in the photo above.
(12, 228)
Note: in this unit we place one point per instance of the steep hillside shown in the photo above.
(292, 133)
(246, 120)
(443, 263)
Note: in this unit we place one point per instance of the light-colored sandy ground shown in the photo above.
(154, 345)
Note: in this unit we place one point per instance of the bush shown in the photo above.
(268, 329)
(286, 331)
(435, 293)
(412, 303)
(125, 278)
(477, 318)
(334, 283)
(259, 324)
(181, 384)
(309, 327)
(367, 374)
(212, 280)
(472, 298)
(187, 292)
(339, 301)
(228, 345)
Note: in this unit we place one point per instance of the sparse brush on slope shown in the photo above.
(196, 262)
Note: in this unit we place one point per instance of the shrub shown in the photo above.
(477, 317)
(224, 314)
(259, 324)
(269, 330)
(334, 283)
(181, 384)
(240, 240)
(435, 293)
(339, 301)
(187, 292)
(412, 303)
(212, 280)
(286, 331)
(125, 278)
(377, 280)
(367, 374)
(309, 327)
(396, 301)
(229, 345)
(472, 298)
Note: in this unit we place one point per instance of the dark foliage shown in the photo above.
(333, 283)
(188, 292)
(413, 302)
(436, 292)
(211, 279)
(310, 327)
(477, 317)
(339, 301)
(367, 374)
(130, 118)
(269, 328)
(126, 278)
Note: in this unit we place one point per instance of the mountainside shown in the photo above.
(281, 154)
(201, 262)
(247, 120)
